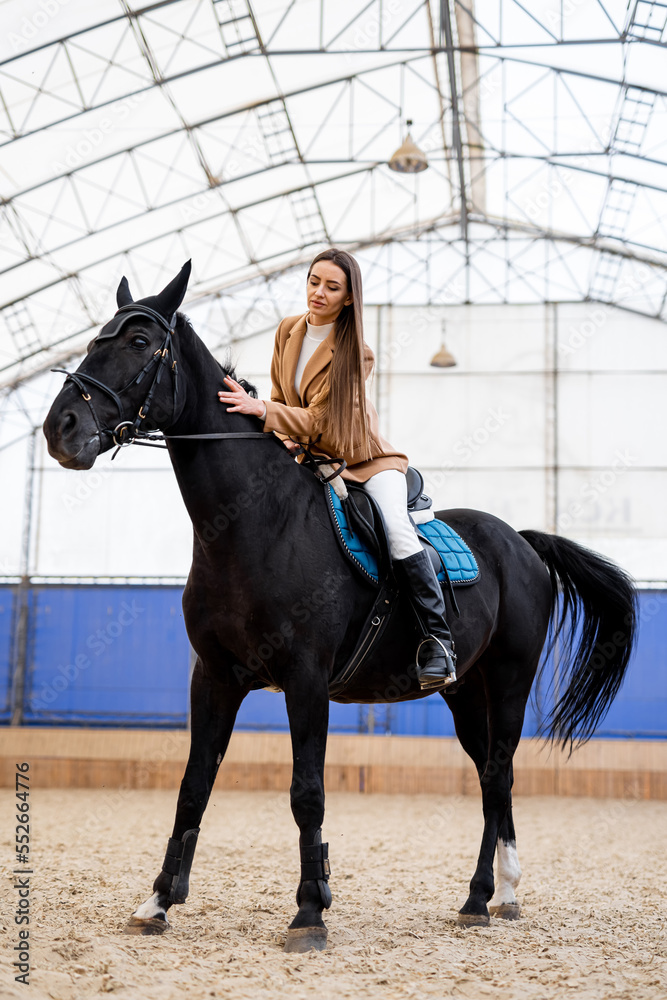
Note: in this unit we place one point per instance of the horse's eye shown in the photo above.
(139, 343)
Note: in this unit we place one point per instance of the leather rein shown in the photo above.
(128, 432)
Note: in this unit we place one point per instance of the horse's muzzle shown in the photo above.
(70, 432)
(84, 458)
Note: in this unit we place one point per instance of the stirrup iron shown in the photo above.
(437, 683)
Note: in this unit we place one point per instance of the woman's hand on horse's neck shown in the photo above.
(236, 400)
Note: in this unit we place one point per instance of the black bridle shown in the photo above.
(128, 432)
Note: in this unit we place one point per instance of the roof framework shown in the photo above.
(247, 135)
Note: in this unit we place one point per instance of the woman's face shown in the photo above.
(326, 292)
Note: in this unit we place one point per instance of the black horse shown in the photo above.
(271, 601)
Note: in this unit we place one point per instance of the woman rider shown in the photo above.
(319, 367)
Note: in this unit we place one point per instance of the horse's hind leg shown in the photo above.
(214, 706)
(307, 700)
(506, 709)
(508, 871)
(469, 707)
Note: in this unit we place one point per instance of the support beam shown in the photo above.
(469, 57)
(446, 28)
(22, 606)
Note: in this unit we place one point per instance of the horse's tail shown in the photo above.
(599, 607)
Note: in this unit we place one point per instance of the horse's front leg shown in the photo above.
(307, 700)
(214, 706)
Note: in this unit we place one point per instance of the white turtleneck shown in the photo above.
(313, 337)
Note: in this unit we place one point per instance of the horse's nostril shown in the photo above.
(69, 422)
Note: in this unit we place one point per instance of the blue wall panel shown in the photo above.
(640, 708)
(7, 597)
(103, 655)
(263, 710)
(266, 710)
(107, 656)
(426, 717)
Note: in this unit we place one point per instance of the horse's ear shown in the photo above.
(123, 295)
(170, 298)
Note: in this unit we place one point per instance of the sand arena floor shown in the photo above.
(593, 893)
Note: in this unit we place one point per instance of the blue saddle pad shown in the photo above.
(455, 553)
(459, 560)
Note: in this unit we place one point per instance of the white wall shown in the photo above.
(553, 418)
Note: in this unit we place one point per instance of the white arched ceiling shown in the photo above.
(247, 135)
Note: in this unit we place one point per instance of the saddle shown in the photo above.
(359, 526)
(360, 529)
(365, 513)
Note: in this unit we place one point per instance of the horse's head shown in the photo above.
(126, 383)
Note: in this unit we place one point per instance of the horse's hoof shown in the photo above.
(508, 911)
(302, 939)
(473, 920)
(145, 925)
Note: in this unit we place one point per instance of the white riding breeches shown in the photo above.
(390, 490)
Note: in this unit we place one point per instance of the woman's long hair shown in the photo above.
(345, 392)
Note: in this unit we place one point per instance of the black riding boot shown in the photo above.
(436, 660)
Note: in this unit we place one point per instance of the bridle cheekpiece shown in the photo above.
(128, 432)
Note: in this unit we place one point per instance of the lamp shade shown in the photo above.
(408, 158)
(443, 359)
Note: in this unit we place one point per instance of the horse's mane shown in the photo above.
(183, 322)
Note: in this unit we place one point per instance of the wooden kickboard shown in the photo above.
(115, 758)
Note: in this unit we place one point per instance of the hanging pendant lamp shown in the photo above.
(443, 358)
(408, 158)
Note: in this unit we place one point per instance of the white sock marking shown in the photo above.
(150, 908)
(508, 873)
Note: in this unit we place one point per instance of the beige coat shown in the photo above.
(298, 418)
